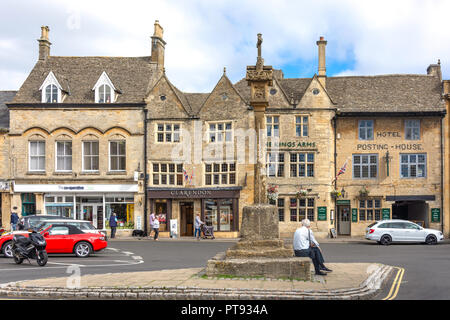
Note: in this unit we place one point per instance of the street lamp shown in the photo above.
(343, 192)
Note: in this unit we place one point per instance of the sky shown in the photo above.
(204, 36)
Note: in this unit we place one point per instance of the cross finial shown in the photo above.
(258, 44)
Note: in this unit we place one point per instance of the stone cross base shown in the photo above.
(260, 222)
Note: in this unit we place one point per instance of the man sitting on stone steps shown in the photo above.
(305, 245)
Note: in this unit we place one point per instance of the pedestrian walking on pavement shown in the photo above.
(113, 224)
(152, 221)
(305, 245)
(197, 225)
(14, 219)
(156, 227)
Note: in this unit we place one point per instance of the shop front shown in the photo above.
(92, 202)
(217, 207)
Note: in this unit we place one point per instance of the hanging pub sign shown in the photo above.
(322, 213)
(436, 215)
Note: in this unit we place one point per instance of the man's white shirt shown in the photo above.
(302, 238)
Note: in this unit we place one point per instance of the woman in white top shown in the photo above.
(156, 227)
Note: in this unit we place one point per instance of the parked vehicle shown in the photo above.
(62, 238)
(31, 221)
(31, 247)
(84, 225)
(387, 231)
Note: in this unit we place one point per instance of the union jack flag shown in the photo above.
(342, 170)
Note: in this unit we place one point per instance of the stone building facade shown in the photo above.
(89, 135)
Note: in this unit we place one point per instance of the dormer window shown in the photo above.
(51, 90)
(105, 94)
(104, 90)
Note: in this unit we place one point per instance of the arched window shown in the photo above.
(51, 94)
(105, 94)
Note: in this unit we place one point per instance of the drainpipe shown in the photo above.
(335, 172)
(145, 173)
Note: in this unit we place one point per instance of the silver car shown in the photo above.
(387, 231)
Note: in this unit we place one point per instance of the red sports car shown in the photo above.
(62, 238)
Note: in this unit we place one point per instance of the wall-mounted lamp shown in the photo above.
(343, 192)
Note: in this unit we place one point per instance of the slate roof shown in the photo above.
(132, 77)
(381, 93)
(5, 96)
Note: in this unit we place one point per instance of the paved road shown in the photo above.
(426, 276)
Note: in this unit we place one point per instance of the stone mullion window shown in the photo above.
(273, 126)
(413, 165)
(220, 132)
(365, 166)
(275, 164)
(301, 126)
(302, 164)
(168, 132)
(301, 208)
(280, 207)
(369, 210)
(220, 174)
(168, 174)
(63, 155)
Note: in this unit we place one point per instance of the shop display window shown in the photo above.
(219, 213)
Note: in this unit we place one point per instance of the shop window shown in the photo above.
(369, 210)
(275, 164)
(124, 213)
(168, 174)
(220, 174)
(220, 214)
(28, 204)
(168, 132)
(302, 165)
(161, 208)
(61, 206)
(302, 208)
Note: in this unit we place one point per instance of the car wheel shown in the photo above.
(385, 240)
(431, 239)
(7, 249)
(82, 249)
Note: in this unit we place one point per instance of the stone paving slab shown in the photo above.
(344, 275)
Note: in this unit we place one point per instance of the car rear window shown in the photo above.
(384, 225)
(372, 224)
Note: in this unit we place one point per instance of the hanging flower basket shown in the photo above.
(364, 192)
(272, 192)
(335, 194)
(302, 193)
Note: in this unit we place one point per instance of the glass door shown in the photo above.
(93, 213)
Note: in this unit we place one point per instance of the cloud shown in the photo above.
(364, 37)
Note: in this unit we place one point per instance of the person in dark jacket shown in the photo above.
(113, 224)
(14, 219)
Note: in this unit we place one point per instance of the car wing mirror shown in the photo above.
(46, 234)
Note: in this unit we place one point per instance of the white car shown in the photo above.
(387, 231)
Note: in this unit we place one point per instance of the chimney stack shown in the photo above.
(322, 72)
(435, 70)
(44, 44)
(158, 45)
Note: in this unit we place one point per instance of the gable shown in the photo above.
(315, 96)
(224, 102)
(278, 97)
(164, 101)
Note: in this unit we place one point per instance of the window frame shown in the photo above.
(302, 125)
(176, 174)
(83, 155)
(369, 155)
(118, 155)
(416, 164)
(409, 127)
(64, 156)
(306, 163)
(165, 132)
(365, 128)
(220, 132)
(271, 124)
(220, 173)
(36, 156)
(277, 163)
(307, 209)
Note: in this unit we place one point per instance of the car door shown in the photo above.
(57, 238)
(397, 230)
(416, 233)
